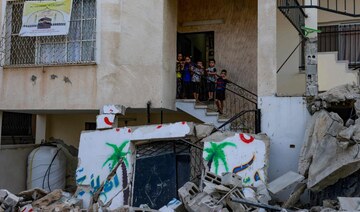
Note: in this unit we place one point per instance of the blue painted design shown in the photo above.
(238, 169)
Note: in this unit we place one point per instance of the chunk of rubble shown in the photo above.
(284, 181)
(349, 203)
(323, 157)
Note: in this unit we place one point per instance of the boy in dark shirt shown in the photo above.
(220, 91)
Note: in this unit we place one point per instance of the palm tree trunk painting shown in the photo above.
(216, 154)
(119, 153)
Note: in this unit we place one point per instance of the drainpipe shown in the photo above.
(148, 105)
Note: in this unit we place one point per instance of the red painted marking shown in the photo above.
(31, 210)
(107, 121)
(159, 126)
(129, 130)
(183, 122)
(246, 140)
(117, 130)
(23, 210)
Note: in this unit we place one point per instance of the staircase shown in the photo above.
(240, 109)
(201, 112)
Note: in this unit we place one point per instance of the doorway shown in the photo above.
(198, 45)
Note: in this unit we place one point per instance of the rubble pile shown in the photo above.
(38, 200)
(219, 193)
(331, 147)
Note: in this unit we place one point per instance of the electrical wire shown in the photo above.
(48, 171)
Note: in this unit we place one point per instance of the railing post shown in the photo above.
(257, 121)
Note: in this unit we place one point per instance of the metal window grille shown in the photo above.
(178, 147)
(76, 47)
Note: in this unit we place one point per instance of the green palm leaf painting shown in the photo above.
(117, 155)
(216, 154)
(114, 158)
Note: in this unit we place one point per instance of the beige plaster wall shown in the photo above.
(235, 39)
(136, 51)
(290, 81)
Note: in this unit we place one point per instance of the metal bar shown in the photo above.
(256, 204)
(258, 121)
(321, 8)
(282, 65)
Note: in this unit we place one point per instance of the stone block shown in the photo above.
(11, 200)
(284, 182)
(230, 179)
(105, 121)
(262, 194)
(212, 178)
(3, 195)
(349, 203)
(113, 109)
(203, 202)
(188, 192)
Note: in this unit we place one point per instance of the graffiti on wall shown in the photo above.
(241, 154)
(100, 151)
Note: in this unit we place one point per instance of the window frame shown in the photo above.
(81, 58)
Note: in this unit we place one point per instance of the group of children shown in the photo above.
(189, 77)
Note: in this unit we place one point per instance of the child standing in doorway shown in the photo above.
(196, 79)
(211, 73)
(220, 91)
(186, 77)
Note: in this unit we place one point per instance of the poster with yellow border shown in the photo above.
(46, 18)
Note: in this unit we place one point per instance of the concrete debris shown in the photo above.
(219, 191)
(39, 200)
(349, 204)
(284, 182)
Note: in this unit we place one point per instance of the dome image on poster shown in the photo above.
(46, 18)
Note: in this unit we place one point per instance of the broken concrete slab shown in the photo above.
(262, 193)
(203, 130)
(113, 109)
(323, 158)
(231, 180)
(284, 182)
(340, 94)
(243, 154)
(105, 121)
(349, 203)
(322, 123)
(47, 200)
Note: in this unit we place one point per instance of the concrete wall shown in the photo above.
(290, 80)
(68, 127)
(284, 120)
(13, 163)
(136, 51)
(235, 39)
(333, 73)
(244, 155)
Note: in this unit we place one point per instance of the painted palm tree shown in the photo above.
(216, 154)
(117, 155)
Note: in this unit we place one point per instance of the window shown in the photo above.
(17, 128)
(76, 47)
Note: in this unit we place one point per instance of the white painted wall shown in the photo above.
(284, 120)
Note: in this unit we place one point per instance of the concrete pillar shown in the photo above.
(311, 51)
(1, 118)
(267, 64)
(40, 133)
